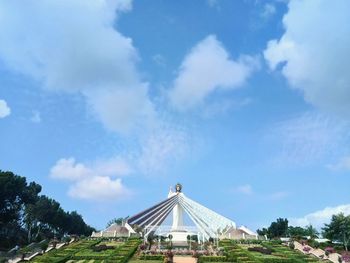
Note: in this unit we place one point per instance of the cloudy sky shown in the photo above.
(108, 103)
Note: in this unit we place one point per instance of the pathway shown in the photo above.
(189, 259)
(318, 252)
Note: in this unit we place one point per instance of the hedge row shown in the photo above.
(212, 259)
(152, 257)
(83, 251)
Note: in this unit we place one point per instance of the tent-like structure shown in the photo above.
(113, 230)
(207, 222)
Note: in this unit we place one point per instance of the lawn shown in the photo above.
(83, 252)
(235, 252)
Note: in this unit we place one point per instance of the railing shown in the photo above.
(161, 230)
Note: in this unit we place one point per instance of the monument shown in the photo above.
(207, 223)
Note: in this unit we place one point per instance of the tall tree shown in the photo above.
(278, 228)
(15, 194)
(311, 231)
(296, 231)
(26, 216)
(338, 229)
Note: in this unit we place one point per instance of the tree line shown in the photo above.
(337, 230)
(26, 216)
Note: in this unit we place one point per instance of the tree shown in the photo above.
(296, 231)
(119, 221)
(15, 194)
(278, 228)
(262, 232)
(26, 216)
(338, 229)
(311, 231)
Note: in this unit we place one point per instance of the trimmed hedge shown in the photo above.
(84, 250)
(152, 257)
(212, 259)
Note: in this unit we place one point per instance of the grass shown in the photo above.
(240, 253)
(82, 252)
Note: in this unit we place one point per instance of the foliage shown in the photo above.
(85, 250)
(152, 257)
(119, 221)
(296, 232)
(212, 259)
(311, 231)
(100, 248)
(278, 228)
(15, 193)
(237, 252)
(26, 216)
(262, 250)
(338, 229)
(306, 249)
(329, 250)
(291, 245)
(345, 257)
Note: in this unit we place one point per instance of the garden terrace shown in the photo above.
(92, 251)
(258, 251)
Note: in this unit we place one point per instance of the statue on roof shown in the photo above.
(178, 188)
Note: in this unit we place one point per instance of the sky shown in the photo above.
(108, 103)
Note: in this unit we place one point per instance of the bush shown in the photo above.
(291, 245)
(212, 259)
(329, 250)
(152, 257)
(44, 245)
(345, 257)
(306, 249)
(101, 248)
(262, 250)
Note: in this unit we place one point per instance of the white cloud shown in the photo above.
(99, 188)
(245, 189)
(68, 169)
(314, 52)
(73, 46)
(321, 217)
(120, 108)
(308, 138)
(163, 147)
(4, 109)
(95, 181)
(207, 68)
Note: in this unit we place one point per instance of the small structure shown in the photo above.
(239, 233)
(113, 230)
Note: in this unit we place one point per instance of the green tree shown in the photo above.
(15, 194)
(25, 216)
(338, 229)
(119, 221)
(278, 228)
(296, 231)
(311, 231)
(262, 232)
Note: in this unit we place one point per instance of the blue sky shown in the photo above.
(108, 103)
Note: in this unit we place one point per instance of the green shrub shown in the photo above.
(152, 257)
(212, 259)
